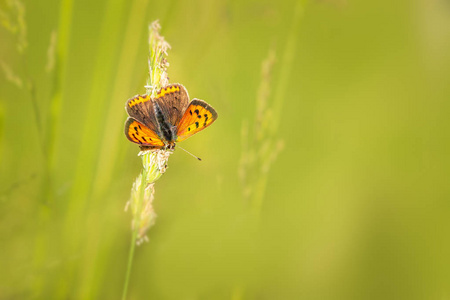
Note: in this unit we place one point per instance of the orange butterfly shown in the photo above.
(157, 123)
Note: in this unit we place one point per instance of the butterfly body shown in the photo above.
(160, 122)
(167, 131)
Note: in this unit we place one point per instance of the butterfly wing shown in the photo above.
(140, 134)
(140, 108)
(173, 100)
(197, 117)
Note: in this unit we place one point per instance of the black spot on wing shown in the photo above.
(137, 139)
(205, 105)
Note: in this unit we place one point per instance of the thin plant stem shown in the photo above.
(286, 64)
(130, 262)
(279, 96)
(134, 234)
(154, 161)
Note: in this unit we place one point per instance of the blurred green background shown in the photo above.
(355, 206)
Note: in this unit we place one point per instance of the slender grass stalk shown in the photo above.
(261, 152)
(133, 238)
(96, 167)
(260, 145)
(260, 148)
(154, 161)
(130, 262)
(13, 19)
(286, 63)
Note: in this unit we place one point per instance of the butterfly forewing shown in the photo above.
(140, 108)
(197, 117)
(172, 100)
(140, 134)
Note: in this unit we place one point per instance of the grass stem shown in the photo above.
(154, 161)
(130, 263)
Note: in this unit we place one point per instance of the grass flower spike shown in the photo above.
(154, 161)
(157, 62)
(157, 121)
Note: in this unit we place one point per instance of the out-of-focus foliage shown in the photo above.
(356, 204)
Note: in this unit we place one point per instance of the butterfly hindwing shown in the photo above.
(197, 117)
(140, 134)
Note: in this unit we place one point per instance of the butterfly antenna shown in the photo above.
(190, 153)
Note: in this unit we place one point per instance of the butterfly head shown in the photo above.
(170, 146)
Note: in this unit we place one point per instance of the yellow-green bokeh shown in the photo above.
(355, 206)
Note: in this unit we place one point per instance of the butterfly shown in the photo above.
(169, 117)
